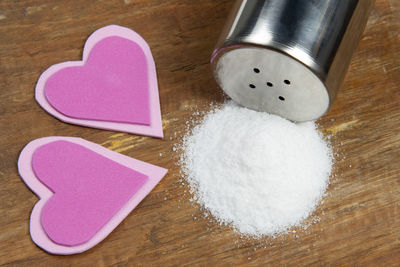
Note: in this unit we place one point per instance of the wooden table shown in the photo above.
(359, 219)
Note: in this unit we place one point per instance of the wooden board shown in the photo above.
(359, 219)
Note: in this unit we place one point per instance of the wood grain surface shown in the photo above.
(359, 220)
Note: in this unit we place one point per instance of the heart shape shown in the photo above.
(85, 191)
(114, 87)
(88, 190)
(111, 86)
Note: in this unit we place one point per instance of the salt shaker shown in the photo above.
(288, 57)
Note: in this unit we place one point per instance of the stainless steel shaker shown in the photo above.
(288, 57)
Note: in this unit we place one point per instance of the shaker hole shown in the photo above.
(286, 81)
(270, 84)
(256, 70)
(252, 86)
(281, 98)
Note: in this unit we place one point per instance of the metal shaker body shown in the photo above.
(288, 57)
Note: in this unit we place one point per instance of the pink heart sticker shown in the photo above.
(114, 87)
(85, 191)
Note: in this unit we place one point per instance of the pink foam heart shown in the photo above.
(88, 190)
(111, 86)
(114, 87)
(85, 191)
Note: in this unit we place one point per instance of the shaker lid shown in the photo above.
(266, 80)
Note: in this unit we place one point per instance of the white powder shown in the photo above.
(258, 172)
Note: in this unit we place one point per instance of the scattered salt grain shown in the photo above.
(257, 172)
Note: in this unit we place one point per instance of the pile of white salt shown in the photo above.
(257, 172)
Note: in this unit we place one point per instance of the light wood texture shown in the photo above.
(359, 219)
